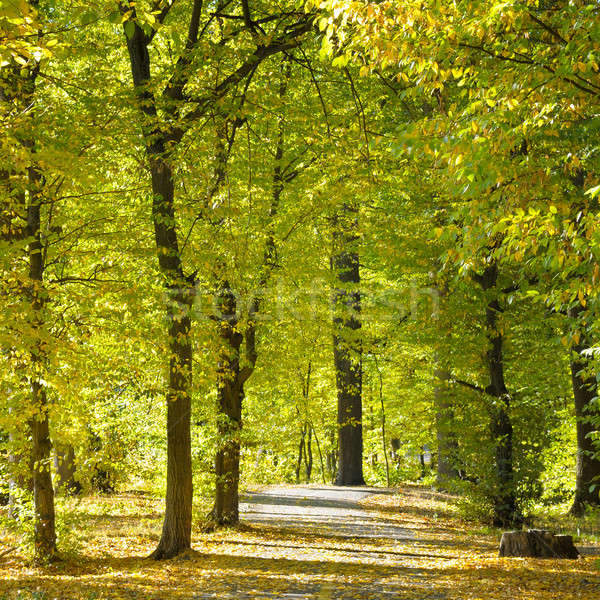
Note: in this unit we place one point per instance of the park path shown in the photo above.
(320, 510)
(339, 549)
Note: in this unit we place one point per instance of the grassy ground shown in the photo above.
(108, 538)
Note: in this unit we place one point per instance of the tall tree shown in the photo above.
(164, 125)
(506, 513)
(239, 350)
(585, 392)
(159, 137)
(21, 217)
(347, 344)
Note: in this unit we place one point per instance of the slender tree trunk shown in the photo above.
(585, 390)
(309, 454)
(320, 454)
(65, 468)
(422, 462)
(41, 447)
(300, 453)
(347, 346)
(506, 512)
(230, 395)
(383, 424)
(446, 437)
(231, 374)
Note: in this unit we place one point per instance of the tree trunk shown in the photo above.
(179, 290)
(347, 346)
(300, 453)
(585, 390)
(227, 462)
(230, 395)
(64, 465)
(19, 90)
(43, 492)
(177, 524)
(332, 463)
(231, 374)
(447, 443)
(506, 513)
(41, 447)
(383, 424)
(309, 455)
(422, 463)
(320, 454)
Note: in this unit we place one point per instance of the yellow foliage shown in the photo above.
(447, 558)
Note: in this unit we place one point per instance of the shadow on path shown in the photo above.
(318, 511)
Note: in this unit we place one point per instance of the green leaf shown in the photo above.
(593, 192)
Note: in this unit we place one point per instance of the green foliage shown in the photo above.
(463, 135)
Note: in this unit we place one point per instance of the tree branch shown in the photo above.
(468, 385)
(287, 41)
(160, 19)
(549, 29)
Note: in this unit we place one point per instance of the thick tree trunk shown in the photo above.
(506, 513)
(347, 347)
(227, 462)
(585, 390)
(179, 289)
(43, 492)
(177, 524)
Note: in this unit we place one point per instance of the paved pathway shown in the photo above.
(375, 564)
(320, 511)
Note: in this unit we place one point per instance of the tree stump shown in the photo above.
(537, 543)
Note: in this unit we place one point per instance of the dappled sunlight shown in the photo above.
(263, 560)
